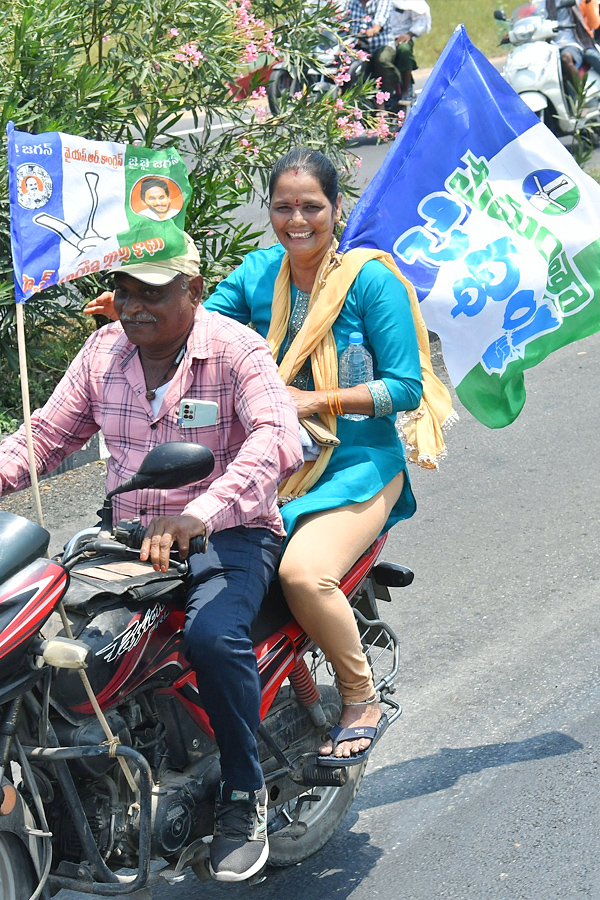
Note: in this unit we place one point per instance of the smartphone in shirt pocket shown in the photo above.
(197, 413)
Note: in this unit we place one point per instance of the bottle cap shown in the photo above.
(355, 337)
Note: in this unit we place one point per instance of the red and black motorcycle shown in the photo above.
(107, 759)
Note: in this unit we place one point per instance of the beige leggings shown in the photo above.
(322, 549)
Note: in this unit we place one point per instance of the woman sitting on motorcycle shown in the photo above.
(305, 298)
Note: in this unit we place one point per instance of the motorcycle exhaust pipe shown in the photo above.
(322, 776)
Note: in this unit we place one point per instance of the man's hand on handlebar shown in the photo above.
(163, 532)
(104, 305)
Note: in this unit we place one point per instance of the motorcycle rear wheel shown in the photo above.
(16, 869)
(322, 818)
(281, 82)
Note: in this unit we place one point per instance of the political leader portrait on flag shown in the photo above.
(156, 198)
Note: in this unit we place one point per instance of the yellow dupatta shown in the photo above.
(422, 427)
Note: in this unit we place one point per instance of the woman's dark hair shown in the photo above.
(151, 182)
(313, 163)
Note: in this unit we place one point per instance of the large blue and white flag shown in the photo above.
(79, 207)
(494, 223)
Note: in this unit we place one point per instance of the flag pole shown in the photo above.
(27, 411)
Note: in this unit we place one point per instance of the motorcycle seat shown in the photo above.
(274, 614)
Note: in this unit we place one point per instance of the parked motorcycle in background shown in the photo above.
(533, 69)
(335, 73)
(107, 759)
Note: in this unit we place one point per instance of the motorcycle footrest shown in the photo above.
(320, 776)
(392, 575)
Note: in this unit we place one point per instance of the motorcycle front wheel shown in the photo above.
(16, 869)
(321, 817)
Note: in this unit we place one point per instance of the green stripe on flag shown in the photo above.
(496, 400)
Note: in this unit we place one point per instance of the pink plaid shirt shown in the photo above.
(255, 441)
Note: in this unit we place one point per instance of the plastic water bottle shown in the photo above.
(355, 367)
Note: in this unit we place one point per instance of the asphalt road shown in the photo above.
(488, 785)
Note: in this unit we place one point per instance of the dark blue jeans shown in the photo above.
(226, 587)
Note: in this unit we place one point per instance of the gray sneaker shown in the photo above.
(240, 846)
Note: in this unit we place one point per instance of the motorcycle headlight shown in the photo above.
(523, 31)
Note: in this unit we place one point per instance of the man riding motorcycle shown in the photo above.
(132, 386)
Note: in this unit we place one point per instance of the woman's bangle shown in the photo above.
(331, 409)
(334, 403)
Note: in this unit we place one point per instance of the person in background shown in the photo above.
(573, 38)
(410, 19)
(371, 21)
(590, 10)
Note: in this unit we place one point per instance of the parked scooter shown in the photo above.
(107, 759)
(533, 69)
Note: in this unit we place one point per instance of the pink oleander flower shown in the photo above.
(174, 32)
(250, 53)
(382, 129)
(298, 95)
(245, 142)
(268, 44)
(261, 113)
(358, 162)
(381, 97)
(210, 232)
(105, 38)
(339, 103)
(362, 55)
(190, 53)
(401, 116)
(341, 78)
(358, 129)
(259, 92)
(342, 121)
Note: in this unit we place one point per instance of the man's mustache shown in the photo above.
(138, 320)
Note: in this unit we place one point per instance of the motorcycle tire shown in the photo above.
(322, 818)
(17, 880)
(280, 82)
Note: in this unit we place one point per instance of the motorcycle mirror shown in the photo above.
(500, 15)
(170, 465)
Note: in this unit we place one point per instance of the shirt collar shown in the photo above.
(199, 344)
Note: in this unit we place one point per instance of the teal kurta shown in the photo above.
(370, 453)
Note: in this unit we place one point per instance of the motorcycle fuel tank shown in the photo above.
(132, 646)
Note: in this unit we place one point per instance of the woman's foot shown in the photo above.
(353, 716)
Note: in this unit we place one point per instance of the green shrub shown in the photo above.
(112, 69)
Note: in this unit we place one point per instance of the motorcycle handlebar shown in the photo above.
(131, 533)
